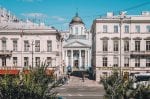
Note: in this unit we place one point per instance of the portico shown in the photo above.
(78, 59)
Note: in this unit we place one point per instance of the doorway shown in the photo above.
(76, 64)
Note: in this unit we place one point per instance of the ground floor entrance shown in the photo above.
(78, 59)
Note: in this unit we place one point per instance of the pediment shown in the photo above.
(76, 44)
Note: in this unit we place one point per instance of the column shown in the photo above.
(80, 60)
(72, 58)
(88, 59)
(66, 61)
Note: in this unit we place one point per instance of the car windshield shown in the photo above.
(142, 78)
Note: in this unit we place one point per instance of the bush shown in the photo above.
(28, 86)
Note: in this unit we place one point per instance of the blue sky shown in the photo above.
(58, 13)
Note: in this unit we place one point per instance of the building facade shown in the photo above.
(121, 42)
(77, 46)
(27, 44)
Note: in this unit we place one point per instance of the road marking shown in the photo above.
(69, 95)
(62, 88)
(80, 95)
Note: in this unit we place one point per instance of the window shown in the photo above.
(49, 46)
(148, 28)
(26, 46)
(105, 61)
(137, 45)
(26, 61)
(81, 30)
(126, 28)
(126, 62)
(49, 61)
(3, 45)
(126, 46)
(148, 62)
(137, 62)
(105, 45)
(137, 28)
(3, 61)
(76, 30)
(116, 46)
(115, 61)
(104, 28)
(37, 61)
(14, 45)
(147, 45)
(15, 61)
(37, 45)
(116, 29)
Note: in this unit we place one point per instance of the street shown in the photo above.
(77, 89)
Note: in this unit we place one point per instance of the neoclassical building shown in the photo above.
(25, 44)
(77, 45)
(121, 42)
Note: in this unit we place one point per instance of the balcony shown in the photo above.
(139, 53)
(6, 53)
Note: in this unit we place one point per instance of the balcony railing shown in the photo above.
(5, 52)
(140, 53)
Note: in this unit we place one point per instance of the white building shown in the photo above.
(77, 45)
(132, 33)
(27, 44)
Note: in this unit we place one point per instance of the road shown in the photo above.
(77, 89)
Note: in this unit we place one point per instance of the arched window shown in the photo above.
(76, 30)
(81, 30)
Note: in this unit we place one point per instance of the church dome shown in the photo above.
(76, 20)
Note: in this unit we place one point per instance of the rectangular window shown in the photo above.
(137, 28)
(116, 44)
(147, 45)
(49, 61)
(116, 29)
(126, 62)
(26, 61)
(137, 62)
(37, 61)
(37, 45)
(4, 45)
(126, 28)
(126, 46)
(49, 46)
(105, 28)
(105, 61)
(26, 46)
(148, 28)
(115, 61)
(14, 45)
(137, 45)
(148, 62)
(105, 45)
(15, 61)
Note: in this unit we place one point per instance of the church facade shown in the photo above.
(76, 46)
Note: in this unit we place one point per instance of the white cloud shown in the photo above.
(58, 18)
(38, 15)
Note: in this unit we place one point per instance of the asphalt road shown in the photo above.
(81, 92)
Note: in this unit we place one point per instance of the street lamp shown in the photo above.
(122, 16)
(32, 44)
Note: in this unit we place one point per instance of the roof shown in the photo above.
(76, 20)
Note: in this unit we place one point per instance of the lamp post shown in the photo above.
(32, 44)
(122, 16)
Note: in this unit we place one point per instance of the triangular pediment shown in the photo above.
(76, 44)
